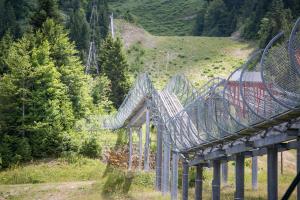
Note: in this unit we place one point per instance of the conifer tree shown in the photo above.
(8, 19)
(114, 66)
(46, 9)
(5, 44)
(34, 103)
(79, 30)
(276, 19)
(67, 62)
(218, 21)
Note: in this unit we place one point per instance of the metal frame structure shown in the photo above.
(92, 55)
(255, 111)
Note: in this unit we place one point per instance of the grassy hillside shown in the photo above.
(199, 58)
(160, 17)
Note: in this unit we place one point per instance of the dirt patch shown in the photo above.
(132, 34)
(119, 158)
(50, 191)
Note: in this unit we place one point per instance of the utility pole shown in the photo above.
(112, 25)
(92, 56)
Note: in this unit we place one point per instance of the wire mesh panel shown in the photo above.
(279, 75)
(294, 47)
(254, 92)
(234, 104)
(220, 112)
(139, 92)
(182, 88)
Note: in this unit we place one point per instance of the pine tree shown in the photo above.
(79, 31)
(34, 103)
(46, 9)
(5, 44)
(67, 62)
(218, 21)
(276, 19)
(100, 92)
(199, 28)
(8, 19)
(114, 66)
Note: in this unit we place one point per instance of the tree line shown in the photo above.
(44, 91)
(252, 19)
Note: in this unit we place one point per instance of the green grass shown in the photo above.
(98, 178)
(227, 191)
(199, 58)
(161, 17)
(81, 178)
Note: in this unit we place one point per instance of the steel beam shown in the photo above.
(216, 180)
(166, 167)
(174, 188)
(130, 149)
(254, 173)
(224, 172)
(159, 158)
(147, 143)
(239, 176)
(298, 169)
(215, 154)
(185, 180)
(140, 148)
(272, 173)
(199, 182)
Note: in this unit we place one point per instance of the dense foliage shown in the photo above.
(44, 91)
(253, 19)
(114, 65)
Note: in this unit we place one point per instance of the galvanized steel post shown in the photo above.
(185, 180)
(130, 149)
(159, 158)
(198, 182)
(216, 180)
(147, 144)
(239, 176)
(272, 173)
(254, 173)
(140, 148)
(174, 186)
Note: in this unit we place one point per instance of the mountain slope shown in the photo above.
(164, 17)
(199, 58)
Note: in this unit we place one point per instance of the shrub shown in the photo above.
(14, 150)
(91, 148)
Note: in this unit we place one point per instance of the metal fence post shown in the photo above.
(147, 144)
(140, 148)
(272, 173)
(239, 176)
(159, 158)
(185, 180)
(224, 172)
(254, 173)
(130, 149)
(216, 180)
(174, 189)
(198, 182)
(166, 167)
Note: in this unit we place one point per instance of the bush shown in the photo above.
(91, 148)
(14, 150)
(70, 143)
